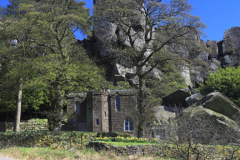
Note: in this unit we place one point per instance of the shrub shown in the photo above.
(226, 81)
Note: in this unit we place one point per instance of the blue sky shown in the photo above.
(218, 15)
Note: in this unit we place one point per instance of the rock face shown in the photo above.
(177, 98)
(222, 53)
(231, 40)
(220, 104)
(231, 47)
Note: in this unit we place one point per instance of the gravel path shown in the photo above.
(5, 158)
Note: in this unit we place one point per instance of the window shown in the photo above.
(128, 125)
(97, 121)
(77, 108)
(117, 103)
(74, 122)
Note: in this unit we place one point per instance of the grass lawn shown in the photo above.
(24, 153)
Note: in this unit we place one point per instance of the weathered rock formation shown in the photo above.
(222, 53)
(210, 119)
(207, 126)
(221, 104)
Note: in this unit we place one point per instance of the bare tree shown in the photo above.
(147, 30)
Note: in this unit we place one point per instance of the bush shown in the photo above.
(226, 81)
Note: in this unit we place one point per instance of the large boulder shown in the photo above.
(219, 103)
(214, 48)
(194, 98)
(207, 126)
(177, 98)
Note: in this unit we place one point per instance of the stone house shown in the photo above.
(105, 111)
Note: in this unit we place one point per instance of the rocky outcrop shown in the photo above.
(231, 47)
(220, 104)
(207, 126)
(222, 53)
(177, 98)
(231, 40)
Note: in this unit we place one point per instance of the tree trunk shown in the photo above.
(56, 109)
(141, 107)
(18, 109)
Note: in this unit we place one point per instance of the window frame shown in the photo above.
(128, 125)
(117, 103)
(77, 108)
(97, 122)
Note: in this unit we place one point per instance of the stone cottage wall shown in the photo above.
(140, 150)
(71, 111)
(100, 112)
(127, 110)
(90, 121)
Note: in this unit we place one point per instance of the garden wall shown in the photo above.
(24, 126)
(139, 150)
(171, 151)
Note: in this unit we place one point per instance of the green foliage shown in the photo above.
(171, 81)
(226, 81)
